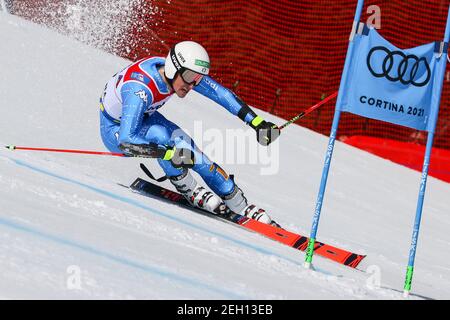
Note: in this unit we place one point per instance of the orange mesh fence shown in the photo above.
(279, 55)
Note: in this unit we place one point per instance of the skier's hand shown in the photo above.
(180, 158)
(266, 132)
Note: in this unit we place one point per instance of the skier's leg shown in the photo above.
(165, 132)
(214, 176)
(162, 131)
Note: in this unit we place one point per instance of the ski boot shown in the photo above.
(197, 195)
(237, 202)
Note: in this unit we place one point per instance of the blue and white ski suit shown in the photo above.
(128, 115)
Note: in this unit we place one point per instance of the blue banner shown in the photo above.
(400, 86)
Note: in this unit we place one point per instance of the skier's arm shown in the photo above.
(266, 131)
(226, 98)
(136, 98)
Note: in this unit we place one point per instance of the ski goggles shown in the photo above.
(191, 77)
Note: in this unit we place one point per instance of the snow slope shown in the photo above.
(69, 231)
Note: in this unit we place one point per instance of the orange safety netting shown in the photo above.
(283, 55)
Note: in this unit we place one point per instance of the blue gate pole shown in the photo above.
(426, 163)
(415, 235)
(334, 128)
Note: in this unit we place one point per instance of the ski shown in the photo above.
(283, 236)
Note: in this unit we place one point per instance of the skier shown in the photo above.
(131, 124)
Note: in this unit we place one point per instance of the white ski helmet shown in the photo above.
(186, 55)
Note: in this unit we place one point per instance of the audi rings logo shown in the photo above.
(397, 66)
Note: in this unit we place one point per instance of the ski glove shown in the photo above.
(151, 150)
(180, 158)
(266, 132)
